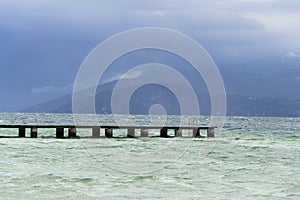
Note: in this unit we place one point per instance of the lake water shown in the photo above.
(250, 158)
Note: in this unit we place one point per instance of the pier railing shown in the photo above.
(131, 130)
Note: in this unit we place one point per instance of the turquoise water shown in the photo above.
(250, 158)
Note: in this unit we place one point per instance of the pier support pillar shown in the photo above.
(96, 132)
(196, 132)
(22, 132)
(109, 132)
(144, 132)
(33, 132)
(178, 132)
(164, 132)
(72, 132)
(59, 132)
(131, 133)
(210, 132)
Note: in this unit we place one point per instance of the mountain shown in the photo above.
(274, 76)
(264, 87)
(142, 100)
(262, 106)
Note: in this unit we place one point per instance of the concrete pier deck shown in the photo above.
(131, 130)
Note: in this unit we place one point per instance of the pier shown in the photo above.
(109, 131)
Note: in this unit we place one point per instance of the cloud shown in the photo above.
(53, 37)
(204, 14)
(273, 23)
(53, 89)
(129, 76)
(152, 13)
(291, 54)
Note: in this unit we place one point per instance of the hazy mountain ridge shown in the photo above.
(264, 87)
(275, 76)
(237, 105)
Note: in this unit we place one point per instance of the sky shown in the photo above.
(43, 42)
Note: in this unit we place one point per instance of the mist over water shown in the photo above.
(252, 158)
